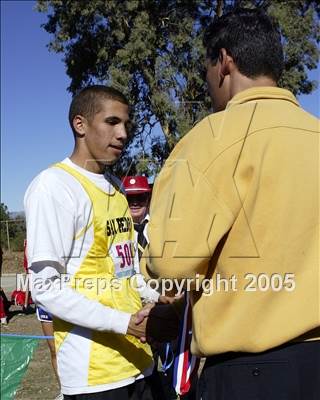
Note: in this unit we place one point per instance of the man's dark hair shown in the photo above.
(251, 38)
(88, 101)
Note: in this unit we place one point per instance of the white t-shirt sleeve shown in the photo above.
(50, 217)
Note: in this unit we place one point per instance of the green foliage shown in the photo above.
(17, 241)
(4, 212)
(299, 22)
(152, 51)
(4, 215)
(12, 228)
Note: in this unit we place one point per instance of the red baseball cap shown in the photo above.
(136, 184)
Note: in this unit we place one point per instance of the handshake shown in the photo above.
(154, 323)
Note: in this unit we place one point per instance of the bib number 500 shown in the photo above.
(123, 259)
(125, 254)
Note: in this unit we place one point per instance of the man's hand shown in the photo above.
(152, 323)
(138, 322)
(162, 324)
(169, 299)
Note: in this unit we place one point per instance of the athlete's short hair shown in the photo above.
(87, 102)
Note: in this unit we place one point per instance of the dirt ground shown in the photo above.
(39, 382)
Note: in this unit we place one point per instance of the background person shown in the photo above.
(239, 194)
(138, 194)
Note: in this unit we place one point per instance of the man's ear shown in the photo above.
(79, 125)
(225, 63)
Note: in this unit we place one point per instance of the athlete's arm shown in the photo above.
(50, 232)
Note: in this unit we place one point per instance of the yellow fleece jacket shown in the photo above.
(236, 211)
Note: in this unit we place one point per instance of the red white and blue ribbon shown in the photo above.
(185, 365)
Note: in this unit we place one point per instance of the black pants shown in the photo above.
(289, 372)
(139, 390)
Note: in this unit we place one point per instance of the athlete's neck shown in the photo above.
(90, 165)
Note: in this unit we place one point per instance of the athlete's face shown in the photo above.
(102, 138)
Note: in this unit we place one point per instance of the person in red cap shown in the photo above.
(138, 194)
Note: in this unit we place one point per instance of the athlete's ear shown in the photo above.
(79, 125)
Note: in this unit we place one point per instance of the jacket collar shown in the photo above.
(262, 92)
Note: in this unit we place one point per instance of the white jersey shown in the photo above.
(59, 235)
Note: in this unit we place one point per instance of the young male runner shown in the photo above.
(78, 223)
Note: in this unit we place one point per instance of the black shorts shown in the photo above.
(139, 390)
(290, 372)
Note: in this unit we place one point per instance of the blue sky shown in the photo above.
(34, 101)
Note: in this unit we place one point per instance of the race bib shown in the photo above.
(122, 255)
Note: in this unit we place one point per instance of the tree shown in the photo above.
(152, 51)
(4, 212)
(12, 229)
(4, 216)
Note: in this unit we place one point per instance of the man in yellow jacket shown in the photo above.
(235, 216)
